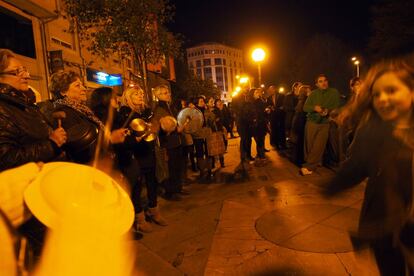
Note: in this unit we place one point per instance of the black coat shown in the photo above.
(143, 152)
(24, 133)
(81, 131)
(387, 163)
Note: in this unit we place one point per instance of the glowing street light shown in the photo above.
(281, 89)
(356, 62)
(258, 55)
(244, 80)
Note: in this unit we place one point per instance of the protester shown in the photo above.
(81, 124)
(318, 106)
(170, 139)
(136, 158)
(298, 126)
(259, 126)
(382, 151)
(277, 118)
(24, 134)
(289, 103)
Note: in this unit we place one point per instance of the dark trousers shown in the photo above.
(147, 176)
(260, 144)
(245, 140)
(278, 134)
(176, 166)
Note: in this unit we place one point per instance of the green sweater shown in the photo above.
(328, 98)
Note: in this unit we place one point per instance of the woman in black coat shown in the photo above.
(136, 158)
(81, 124)
(25, 136)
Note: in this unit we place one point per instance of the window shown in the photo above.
(206, 62)
(191, 64)
(198, 63)
(208, 73)
(16, 33)
(198, 73)
(217, 61)
(224, 61)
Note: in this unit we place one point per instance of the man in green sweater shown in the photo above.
(318, 105)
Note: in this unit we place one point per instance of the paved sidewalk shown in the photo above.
(275, 223)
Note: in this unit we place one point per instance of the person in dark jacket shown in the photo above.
(277, 118)
(382, 151)
(80, 123)
(136, 158)
(25, 136)
(259, 126)
(170, 139)
(289, 103)
(297, 136)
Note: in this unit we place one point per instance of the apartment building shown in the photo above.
(219, 63)
(38, 33)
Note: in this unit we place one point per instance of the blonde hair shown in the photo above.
(127, 101)
(157, 90)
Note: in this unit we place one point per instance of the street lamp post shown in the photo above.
(356, 63)
(258, 56)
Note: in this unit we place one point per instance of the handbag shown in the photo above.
(215, 144)
(161, 163)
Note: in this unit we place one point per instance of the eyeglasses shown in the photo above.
(18, 72)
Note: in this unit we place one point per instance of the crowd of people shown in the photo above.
(370, 134)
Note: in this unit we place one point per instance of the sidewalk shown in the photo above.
(275, 223)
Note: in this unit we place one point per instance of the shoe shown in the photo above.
(184, 192)
(141, 224)
(155, 216)
(305, 171)
(266, 150)
(173, 197)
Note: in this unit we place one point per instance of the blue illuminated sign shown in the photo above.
(104, 78)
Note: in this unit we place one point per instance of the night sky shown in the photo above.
(283, 26)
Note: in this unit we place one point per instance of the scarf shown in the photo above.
(81, 108)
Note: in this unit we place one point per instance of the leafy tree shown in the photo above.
(393, 28)
(128, 27)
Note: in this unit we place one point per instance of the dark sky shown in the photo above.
(283, 26)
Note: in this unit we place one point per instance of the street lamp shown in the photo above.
(258, 55)
(356, 62)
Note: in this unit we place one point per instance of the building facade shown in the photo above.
(219, 63)
(37, 31)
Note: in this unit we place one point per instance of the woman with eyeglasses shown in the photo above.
(80, 122)
(25, 135)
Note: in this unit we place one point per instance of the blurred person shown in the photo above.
(204, 162)
(136, 159)
(382, 151)
(171, 141)
(318, 106)
(83, 127)
(277, 118)
(215, 142)
(298, 125)
(259, 125)
(289, 103)
(243, 109)
(25, 136)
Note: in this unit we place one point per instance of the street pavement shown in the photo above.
(273, 223)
